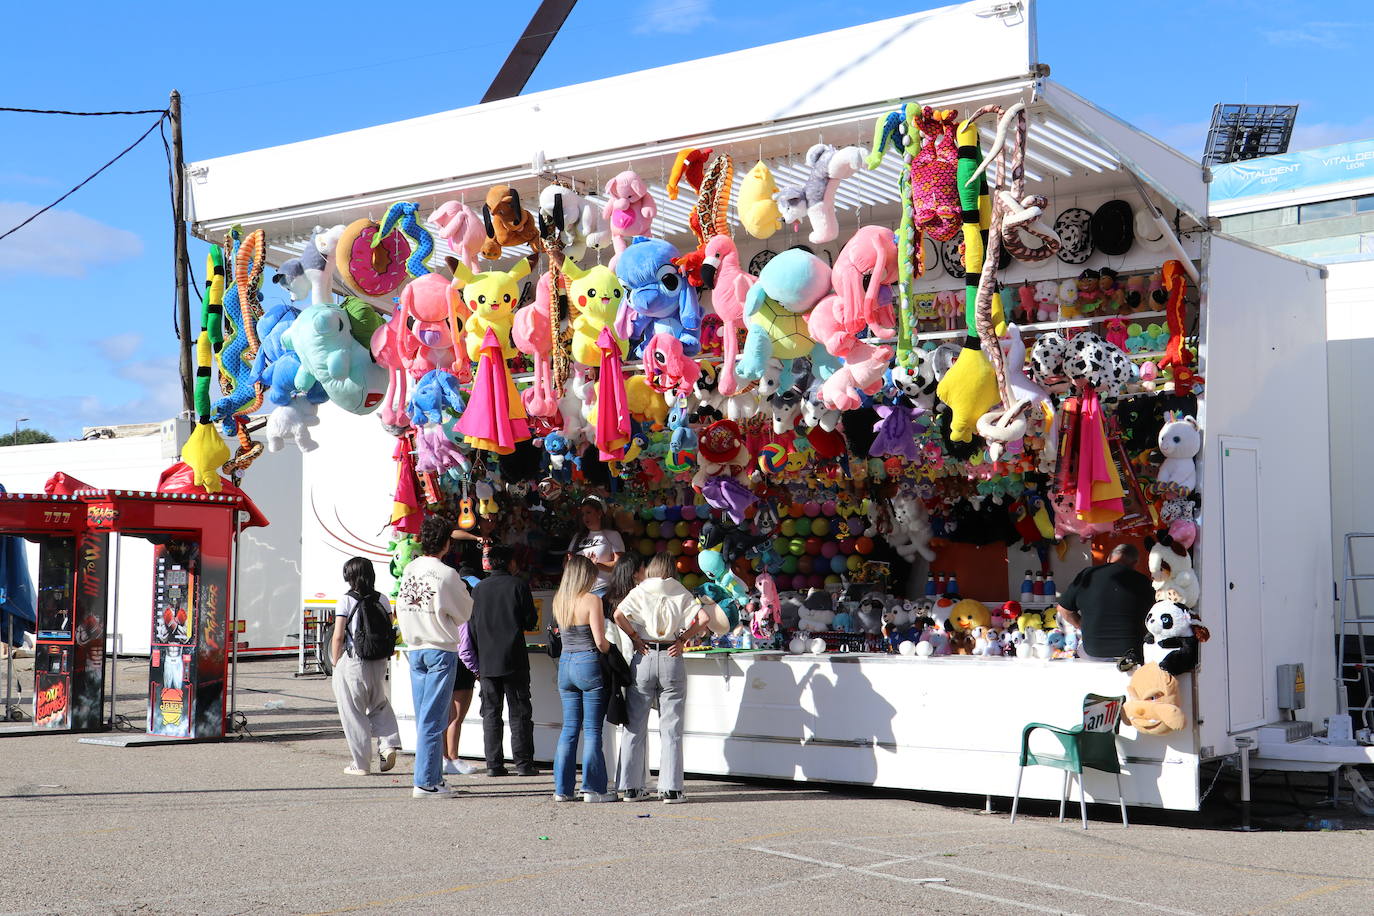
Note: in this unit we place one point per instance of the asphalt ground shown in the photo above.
(269, 824)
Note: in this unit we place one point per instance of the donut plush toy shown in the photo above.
(371, 271)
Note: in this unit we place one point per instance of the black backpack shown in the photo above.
(374, 636)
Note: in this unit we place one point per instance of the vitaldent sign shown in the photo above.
(1293, 171)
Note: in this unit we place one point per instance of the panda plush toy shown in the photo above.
(1171, 638)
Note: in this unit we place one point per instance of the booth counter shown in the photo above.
(950, 724)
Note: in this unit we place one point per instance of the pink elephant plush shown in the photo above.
(463, 228)
(630, 210)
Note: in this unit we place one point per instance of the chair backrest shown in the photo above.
(1101, 714)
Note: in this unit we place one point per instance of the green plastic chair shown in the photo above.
(1091, 745)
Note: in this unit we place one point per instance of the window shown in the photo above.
(1364, 204)
(1327, 209)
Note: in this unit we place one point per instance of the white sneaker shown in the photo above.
(458, 768)
(564, 798)
(351, 770)
(386, 758)
(592, 798)
(439, 791)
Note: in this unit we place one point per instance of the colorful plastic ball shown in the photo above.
(813, 546)
(646, 547)
(788, 527)
(780, 546)
(660, 512)
(849, 545)
(742, 567)
(832, 581)
(839, 564)
(689, 547)
(799, 582)
(796, 547)
(674, 548)
(789, 565)
(828, 508)
(820, 527)
(652, 529)
(646, 513)
(660, 546)
(806, 565)
(689, 513)
(853, 563)
(815, 581)
(830, 549)
(682, 529)
(693, 580)
(796, 510)
(684, 565)
(811, 508)
(864, 545)
(773, 458)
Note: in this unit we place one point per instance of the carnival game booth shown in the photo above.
(917, 340)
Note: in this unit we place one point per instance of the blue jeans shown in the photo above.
(584, 705)
(431, 687)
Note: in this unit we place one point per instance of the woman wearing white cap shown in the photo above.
(597, 540)
(660, 616)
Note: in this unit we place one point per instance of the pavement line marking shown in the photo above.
(1305, 895)
(769, 836)
(705, 902)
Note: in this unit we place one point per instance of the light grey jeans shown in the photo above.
(657, 676)
(364, 710)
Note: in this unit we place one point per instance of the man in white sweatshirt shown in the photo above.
(433, 603)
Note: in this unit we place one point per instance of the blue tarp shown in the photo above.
(18, 601)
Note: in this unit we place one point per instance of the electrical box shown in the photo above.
(1292, 687)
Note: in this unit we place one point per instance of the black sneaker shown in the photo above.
(497, 771)
(634, 795)
(528, 770)
(673, 797)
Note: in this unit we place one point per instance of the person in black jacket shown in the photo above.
(503, 609)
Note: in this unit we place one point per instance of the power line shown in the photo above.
(88, 178)
(85, 114)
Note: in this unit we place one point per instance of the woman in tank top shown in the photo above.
(583, 626)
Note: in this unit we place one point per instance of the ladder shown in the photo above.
(1357, 667)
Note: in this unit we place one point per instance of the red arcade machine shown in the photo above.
(73, 565)
(195, 536)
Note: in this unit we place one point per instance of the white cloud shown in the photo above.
(1188, 137)
(1332, 36)
(1325, 133)
(674, 17)
(60, 243)
(156, 396)
(119, 347)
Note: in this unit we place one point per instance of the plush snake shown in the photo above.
(402, 215)
(241, 310)
(1020, 212)
(898, 130)
(710, 216)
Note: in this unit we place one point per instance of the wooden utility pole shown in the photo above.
(178, 178)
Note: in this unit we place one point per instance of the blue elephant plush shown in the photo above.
(275, 366)
(322, 337)
(658, 298)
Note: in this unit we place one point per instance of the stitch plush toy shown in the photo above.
(432, 394)
(630, 210)
(815, 199)
(758, 212)
(788, 287)
(275, 366)
(462, 228)
(491, 297)
(657, 297)
(729, 284)
(322, 338)
(595, 295)
(507, 224)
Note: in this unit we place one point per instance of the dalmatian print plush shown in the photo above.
(1047, 357)
(1097, 362)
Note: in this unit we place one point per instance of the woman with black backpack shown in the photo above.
(364, 639)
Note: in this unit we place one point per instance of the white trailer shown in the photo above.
(946, 724)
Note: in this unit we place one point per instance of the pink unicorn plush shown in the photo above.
(463, 228)
(533, 336)
(630, 210)
(839, 318)
(667, 367)
(729, 284)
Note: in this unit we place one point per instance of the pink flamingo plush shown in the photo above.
(389, 354)
(729, 284)
(533, 337)
(630, 210)
(463, 228)
(840, 317)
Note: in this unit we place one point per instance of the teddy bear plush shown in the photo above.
(1153, 702)
(1180, 439)
(1046, 300)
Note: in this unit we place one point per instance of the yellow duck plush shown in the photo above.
(758, 211)
(595, 295)
(970, 390)
(491, 296)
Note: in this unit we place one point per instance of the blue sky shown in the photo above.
(86, 291)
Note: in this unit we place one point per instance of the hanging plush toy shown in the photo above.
(400, 217)
(241, 310)
(658, 299)
(612, 431)
(630, 210)
(1171, 638)
(757, 210)
(595, 294)
(789, 286)
(371, 271)
(580, 219)
(815, 199)
(434, 393)
(425, 324)
(667, 367)
(1171, 573)
(491, 297)
(323, 340)
(864, 270)
(1180, 439)
(494, 419)
(463, 229)
(507, 224)
(729, 284)
(532, 333)
(1154, 702)
(204, 450)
